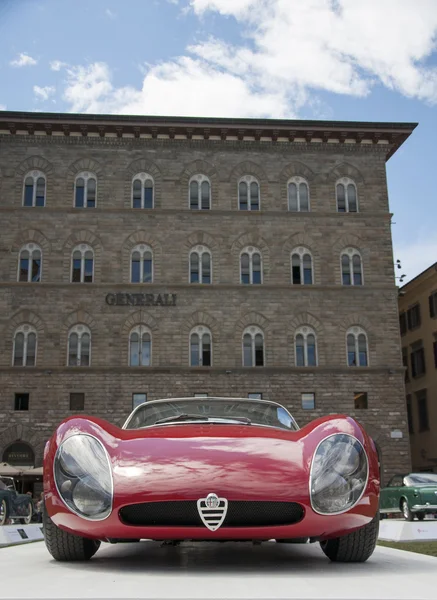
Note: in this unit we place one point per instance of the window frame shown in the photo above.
(30, 247)
(142, 249)
(26, 329)
(86, 176)
(248, 180)
(346, 181)
(140, 329)
(356, 331)
(200, 249)
(301, 251)
(83, 249)
(305, 331)
(143, 177)
(200, 330)
(199, 178)
(410, 312)
(298, 181)
(79, 329)
(415, 348)
(251, 250)
(35, 175)
(253, 331)
(350, 253)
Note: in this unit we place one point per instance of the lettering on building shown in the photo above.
(124, 299)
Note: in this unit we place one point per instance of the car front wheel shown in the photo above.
(64, 546)
(408, 515)
(420, 516)
(3, 512)
(357, 546)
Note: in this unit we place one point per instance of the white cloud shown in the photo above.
(415, 256)
(2, 106)
(289, 51)
(23, 60)
(44, 93)
(57, 65)
(109, 13)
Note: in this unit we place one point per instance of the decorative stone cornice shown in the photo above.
(113, 129)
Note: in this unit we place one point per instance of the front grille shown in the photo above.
(184, 513)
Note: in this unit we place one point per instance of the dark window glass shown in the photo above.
(405, 363)
(403, 323)
(346, 270)
(88, 275)
(40, 192)
(136, 194)
(145, 350)
(295, 269)
(206, 350)
(77, 401)
(194, 267)
(409, 415)
(73, 347)
(418, 366)
(21, 402)
(85, 344)
(206, 268)
(134, 351)
(204, 190)
(351, 353)
(91, 193)
(28, 192)
(435, 353)
(311, 350)
(19, 350)
(31, 350)
(147, 276)
(242, 192)
(308, 401)
(300, 351)
(195, 350)
(136, 267)
(307, 270)
(341, 198)
(148, 194)
(245, 270)
(362, 349)
(256, 268)
(138, 399)
(292, 197)
(80, 192)
(303, 197)
(259, 350)
(413, 317)
(255, 396)
(194, 194)
(360, 400)
(352, 198)
(254, 196)
(77, 261)
(356, 264)
(247, 350)
(422, 408)
(36, 267)
(433, 305)
(24, 266)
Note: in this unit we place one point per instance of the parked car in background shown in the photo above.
(211, 469)
(412, 495)
(14, 506)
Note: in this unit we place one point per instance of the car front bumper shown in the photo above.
(424, 508)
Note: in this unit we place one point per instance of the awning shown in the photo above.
(35, 472)
(8, 470)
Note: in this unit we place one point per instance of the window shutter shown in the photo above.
(432, 299)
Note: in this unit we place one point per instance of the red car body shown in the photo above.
(181, 461)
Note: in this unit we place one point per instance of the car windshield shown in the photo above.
(422, 479)
(6, 483)
(213, 410)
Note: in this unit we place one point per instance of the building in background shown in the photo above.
(146, 257)
(418, 323)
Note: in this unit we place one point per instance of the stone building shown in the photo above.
(418, 323)
(145, 257)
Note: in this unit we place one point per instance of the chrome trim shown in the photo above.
(213, 398)
(311, 475)
(424, 507)
(110, 473)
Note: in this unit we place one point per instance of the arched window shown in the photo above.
(248, 193)
(79, 346)
(29, 264)
(200, 193)
(253, 347)
(351, 267)
(34, 193)
(305, 347)
(24, 352)
(142, 191)
(141, 264)
(140, 347)
(250, 265)
(346, 192)
(200, 265)
(357, 352)
(301, 266)
(85, 190)
(298, 195)
(82, 264)
(200, 347)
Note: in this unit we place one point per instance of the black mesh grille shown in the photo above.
(184, 513)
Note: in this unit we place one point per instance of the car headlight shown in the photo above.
(83, 476)
(339, 473)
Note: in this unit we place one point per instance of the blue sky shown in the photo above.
(318, 59)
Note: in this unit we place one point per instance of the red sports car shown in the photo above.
(211, 469)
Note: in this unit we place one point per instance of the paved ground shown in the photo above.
(147, 570)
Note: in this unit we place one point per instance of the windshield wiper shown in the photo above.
(210, 419)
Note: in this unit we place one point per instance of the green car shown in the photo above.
(412, 495)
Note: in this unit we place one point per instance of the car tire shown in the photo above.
(421, 516)
(64, 546)
(357, 546)
(3, 512)
(27, 520)
(406, 512)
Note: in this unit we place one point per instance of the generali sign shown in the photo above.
(123, 299)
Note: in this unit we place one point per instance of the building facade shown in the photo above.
(418, 324)
(149, 257)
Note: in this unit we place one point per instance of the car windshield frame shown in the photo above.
(237, 418)
(412, 479)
